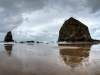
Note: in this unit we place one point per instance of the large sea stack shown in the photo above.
(8, 37)
(74, 30)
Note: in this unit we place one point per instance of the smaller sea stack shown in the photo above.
(8, 37)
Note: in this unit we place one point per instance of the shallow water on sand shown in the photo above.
(49, 59)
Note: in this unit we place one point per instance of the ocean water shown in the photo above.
(49, 59)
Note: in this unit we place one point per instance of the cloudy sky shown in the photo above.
(42, 19)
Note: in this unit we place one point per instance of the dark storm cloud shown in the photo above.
(18, 6)
(11, 12)
(9, 23)
(94, 5)
(66, 5)
(15, 8)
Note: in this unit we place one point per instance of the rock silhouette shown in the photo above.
(74, 30)
(8, 37)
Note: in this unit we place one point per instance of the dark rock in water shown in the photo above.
(74, 30)
(8, 37)
(22, 42)
(37, 42)
(30, 41)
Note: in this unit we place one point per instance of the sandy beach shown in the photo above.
(49, 59)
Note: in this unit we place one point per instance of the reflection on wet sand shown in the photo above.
(8, 48)
(76, 57)
(42, 59)
(9, 65)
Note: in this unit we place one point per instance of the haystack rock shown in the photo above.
(74, 30)
(8, 37)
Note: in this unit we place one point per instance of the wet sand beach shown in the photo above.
(49, 59)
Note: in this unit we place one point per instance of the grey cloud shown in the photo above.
(9, 23)
(94, 5)
(43, 35)
(95, 31)
(97, 15)
(46, 36)
(19, 6)
(15, 8)
(78, 5)
(72, 3)
(2, 35)
(12, 20)
(11, 12)
(67, 5)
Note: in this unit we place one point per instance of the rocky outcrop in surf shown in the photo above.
(74, 30)
(8, 37)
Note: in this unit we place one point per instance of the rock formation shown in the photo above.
(74, 30)
(8, 37)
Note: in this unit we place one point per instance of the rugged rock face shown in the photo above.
(8, 37)
(74, 30)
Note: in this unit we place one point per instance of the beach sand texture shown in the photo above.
(49, 59)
